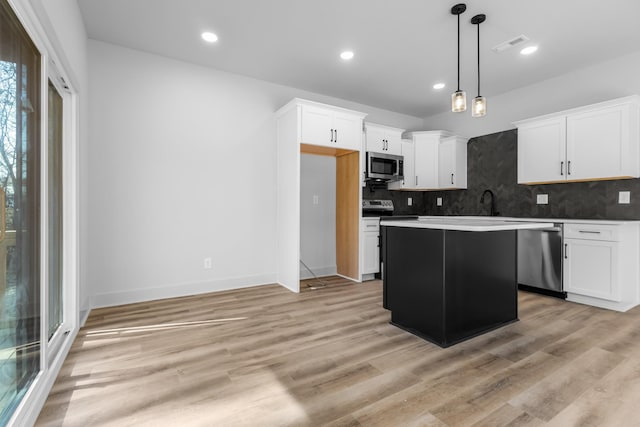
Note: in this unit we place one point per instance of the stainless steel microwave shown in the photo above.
(384, 167)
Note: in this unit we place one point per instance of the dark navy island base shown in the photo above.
(448, 286)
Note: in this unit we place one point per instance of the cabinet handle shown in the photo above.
(565, 251)
(588, 232)
(372, 225)
(561, 168)
(569, 167)
(386, 144)
(451, 179)
(336, 138)
(416, 180)
(331, 135)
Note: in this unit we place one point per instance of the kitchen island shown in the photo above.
(448, 280)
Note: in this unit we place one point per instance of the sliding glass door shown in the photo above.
(20, 124)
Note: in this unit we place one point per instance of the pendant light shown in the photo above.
(459, 97)
(479, 104)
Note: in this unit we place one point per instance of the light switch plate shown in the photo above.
(542, 199)
(409, 201)
(439, 201)
(624, 197)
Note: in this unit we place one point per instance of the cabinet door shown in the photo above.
(348, 131)
(371, 253)
(590, 268)
(446, 165)
(542, 151)
(317, 126)
(596, 142)
(426, 162)
(394, 143)
(409, 180)
(376, 140)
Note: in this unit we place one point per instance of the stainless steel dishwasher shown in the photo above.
(540, 260)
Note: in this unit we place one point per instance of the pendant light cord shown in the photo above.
(458, 52)
(478, 60)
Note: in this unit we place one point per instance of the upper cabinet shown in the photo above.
(383, 139)
(433, 160)
(600, 141)
(452, 163)
(329, 126)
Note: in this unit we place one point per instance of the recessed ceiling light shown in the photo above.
(439, 86)
(346, 55)
(209, 37)
(529, 50)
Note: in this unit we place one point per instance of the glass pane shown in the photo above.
(54, 189)
(19, 212)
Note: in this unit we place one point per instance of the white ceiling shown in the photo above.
(402, 47)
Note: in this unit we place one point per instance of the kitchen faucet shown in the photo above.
(493, 202)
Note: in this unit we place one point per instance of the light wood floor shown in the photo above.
(267, 357)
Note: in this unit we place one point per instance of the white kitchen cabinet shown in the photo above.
(331, 127)
(305, 127)
(600, 141)
(426, 161)
(590, 268)
(600, 264)
(436, 156)
(371, 247)
(409, 180)
(452, 163)
(383, 139)
(542, 151)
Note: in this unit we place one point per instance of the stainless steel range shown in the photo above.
(373, 208)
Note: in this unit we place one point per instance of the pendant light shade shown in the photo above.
(479, 105)
(458, 101)
(459, 97)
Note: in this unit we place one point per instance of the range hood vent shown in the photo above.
(510, 43)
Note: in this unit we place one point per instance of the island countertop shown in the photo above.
(466, 224)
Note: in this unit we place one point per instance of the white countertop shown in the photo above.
(467, 224)
(563, 220)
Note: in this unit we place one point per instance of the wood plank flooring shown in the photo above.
(265, 356)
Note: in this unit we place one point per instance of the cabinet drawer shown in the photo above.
(591, 232)
(371, 225)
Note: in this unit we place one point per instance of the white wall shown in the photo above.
(182, 167)
(601, 82)
(318, 221)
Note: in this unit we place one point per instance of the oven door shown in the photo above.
(384, 167)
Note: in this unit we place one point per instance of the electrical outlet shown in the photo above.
(316, 199)
(624, 197)
(207, 263)
(439, 201)
(409, 201)
(542, 199)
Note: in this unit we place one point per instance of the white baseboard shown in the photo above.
(318, 271)
(180, 290)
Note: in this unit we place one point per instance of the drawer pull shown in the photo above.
(588, 232)
(565, 251)
(371, 225)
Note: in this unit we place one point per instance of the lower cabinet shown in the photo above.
(601, 264)
(590, 268)
(370, 247)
